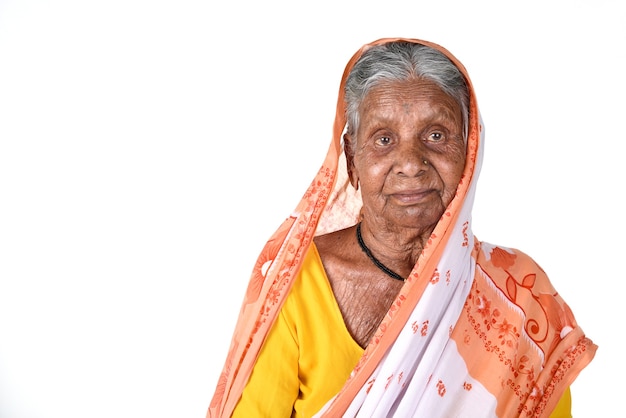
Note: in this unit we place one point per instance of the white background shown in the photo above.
(149, 148)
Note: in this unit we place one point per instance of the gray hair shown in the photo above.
(401, 61)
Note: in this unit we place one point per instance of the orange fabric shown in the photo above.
(513, 310)
(329, 205)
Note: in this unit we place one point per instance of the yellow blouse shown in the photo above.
(309, 337)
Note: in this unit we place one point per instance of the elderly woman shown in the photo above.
(374, 298)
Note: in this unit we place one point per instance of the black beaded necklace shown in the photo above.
(369, 254)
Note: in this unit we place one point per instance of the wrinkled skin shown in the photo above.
(409, 155)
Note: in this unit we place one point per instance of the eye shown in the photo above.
(383, 140)
(435, 136)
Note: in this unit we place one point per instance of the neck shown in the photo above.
(374, 260)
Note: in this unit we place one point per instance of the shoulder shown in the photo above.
(337, 251)
(519, 279)
(334, 242)
(520, 285)
(505, 263)
(523, 286)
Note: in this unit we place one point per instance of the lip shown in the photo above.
(409, 197)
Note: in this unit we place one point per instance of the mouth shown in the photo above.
(412, 197)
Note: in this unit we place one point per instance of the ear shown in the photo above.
(347, 149)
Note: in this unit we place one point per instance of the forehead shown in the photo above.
(415, 96)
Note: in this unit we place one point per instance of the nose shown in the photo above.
(411, 159)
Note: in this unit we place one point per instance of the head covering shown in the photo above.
(433, 311)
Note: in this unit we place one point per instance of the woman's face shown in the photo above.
(409, 154)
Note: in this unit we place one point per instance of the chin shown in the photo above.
(422, 221)
(418, 216)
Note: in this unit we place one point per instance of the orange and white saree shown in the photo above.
(477, 330)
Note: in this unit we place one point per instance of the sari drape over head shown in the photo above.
(476, 330)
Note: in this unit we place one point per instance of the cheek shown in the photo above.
(371, 174)
(454, 170)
